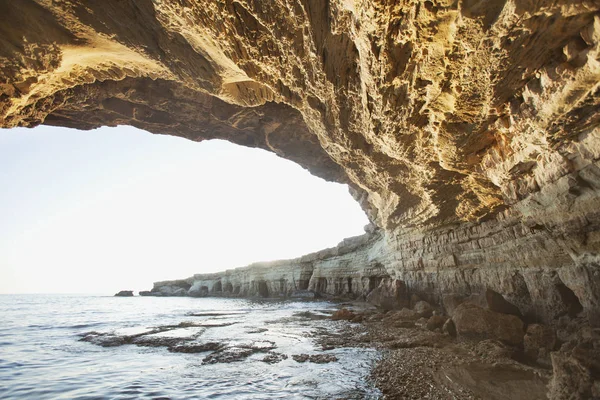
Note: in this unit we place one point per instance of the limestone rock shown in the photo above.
(472, 321)
(125, 293)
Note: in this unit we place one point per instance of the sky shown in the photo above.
(119, 208)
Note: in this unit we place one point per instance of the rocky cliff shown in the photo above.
(467, 130)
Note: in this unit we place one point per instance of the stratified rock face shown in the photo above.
(468, 130)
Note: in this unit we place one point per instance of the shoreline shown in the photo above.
(426, 353)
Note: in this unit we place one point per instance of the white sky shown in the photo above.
(119, 208)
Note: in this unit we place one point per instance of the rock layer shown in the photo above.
(467, 130)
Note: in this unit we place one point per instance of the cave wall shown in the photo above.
(467, 130)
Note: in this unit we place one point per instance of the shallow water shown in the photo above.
(42, 356)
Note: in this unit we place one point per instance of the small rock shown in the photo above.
(343, 314)
(300, 357)
(435, 321)
(421, 322)
(423, 309)
(322, 358)
(357, 319)
(273, 357)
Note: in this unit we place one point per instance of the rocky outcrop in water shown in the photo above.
(124, 293)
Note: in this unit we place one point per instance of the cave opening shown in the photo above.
(217, 287)
(263, 289)
(569, 299)
(140, 202)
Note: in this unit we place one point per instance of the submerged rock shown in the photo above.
(273, 357)
(314, 358)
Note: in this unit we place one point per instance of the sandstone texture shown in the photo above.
(467, 130)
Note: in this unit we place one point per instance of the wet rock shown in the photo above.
(125, 293)
(238, 352)
(274, 358)
(196, 347)
(472, 321)
(343, 314)
(449, 328)
(322, 358)
(314, 358)
(423, 309)
(229, 355)
(300, 357)
(538, 342)
(104, 339)
(435, 321)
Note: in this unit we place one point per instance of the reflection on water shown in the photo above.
(173, 348)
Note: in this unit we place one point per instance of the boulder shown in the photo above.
(423, 309)
(125, 293)
(475, 322)
(488, 299)
(435, 321)
(496, 302)
(406, 314)
(343, 315)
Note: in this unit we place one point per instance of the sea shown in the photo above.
(105, 347)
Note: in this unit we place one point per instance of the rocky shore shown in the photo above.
(474, 353)
(470, 345)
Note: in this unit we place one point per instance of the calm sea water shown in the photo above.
(42, 356)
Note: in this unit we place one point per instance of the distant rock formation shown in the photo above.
(125, 293)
